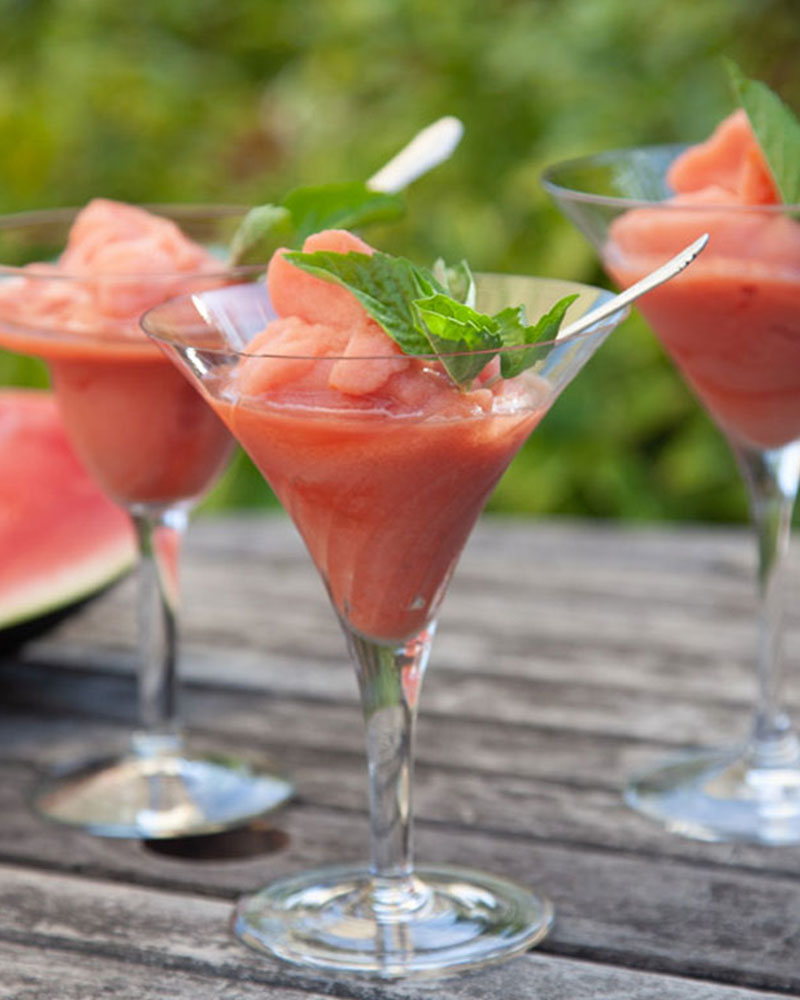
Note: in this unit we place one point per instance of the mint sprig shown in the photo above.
(308, 210)
(776, 129)
(413, 306)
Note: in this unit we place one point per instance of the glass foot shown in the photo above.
(718, 795)
(340, 920)
(168, 795)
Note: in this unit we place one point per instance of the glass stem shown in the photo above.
(159, 534)
(772, 480)
(389, 680)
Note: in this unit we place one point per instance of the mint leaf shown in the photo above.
(340, 206)
(456, 280)
(413, 307)
(459, 360)
(385, 286)
(443, 313)
(454, 330)
(260, 233)
(308, 210)
(776, 128)
(515, 333)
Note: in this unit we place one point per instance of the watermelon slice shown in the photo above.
(61, 539)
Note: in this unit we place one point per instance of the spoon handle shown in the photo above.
(430, 147)
(661, 274)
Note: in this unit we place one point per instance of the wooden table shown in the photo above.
(568, 656)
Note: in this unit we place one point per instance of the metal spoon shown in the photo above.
(430, 147)
(646, 284)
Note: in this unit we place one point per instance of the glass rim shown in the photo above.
(605, 157)
(176, 212)
(155, 332)
(30, 273)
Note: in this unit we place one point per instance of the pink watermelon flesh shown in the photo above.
(61, 539)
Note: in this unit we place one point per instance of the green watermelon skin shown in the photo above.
(61, 539)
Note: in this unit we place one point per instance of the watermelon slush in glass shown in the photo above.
(384, 464)
(144, 435)
(381, 522)
(731, 323)
(153, 445)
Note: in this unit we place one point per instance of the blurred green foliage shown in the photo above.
(196, 100)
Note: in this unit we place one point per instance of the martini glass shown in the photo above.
(155, 447)
(384, 488)
(731, 323)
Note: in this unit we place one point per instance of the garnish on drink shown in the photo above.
(777, 131)
(428, 312)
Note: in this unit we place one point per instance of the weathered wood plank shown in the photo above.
(601, 615)
(28, 972)
(585, 817)
(545, 783)
(64, 724)
(134, 942)
(677, 916)
(671, 717)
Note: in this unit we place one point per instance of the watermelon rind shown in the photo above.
(70, 585)
(61, 539)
